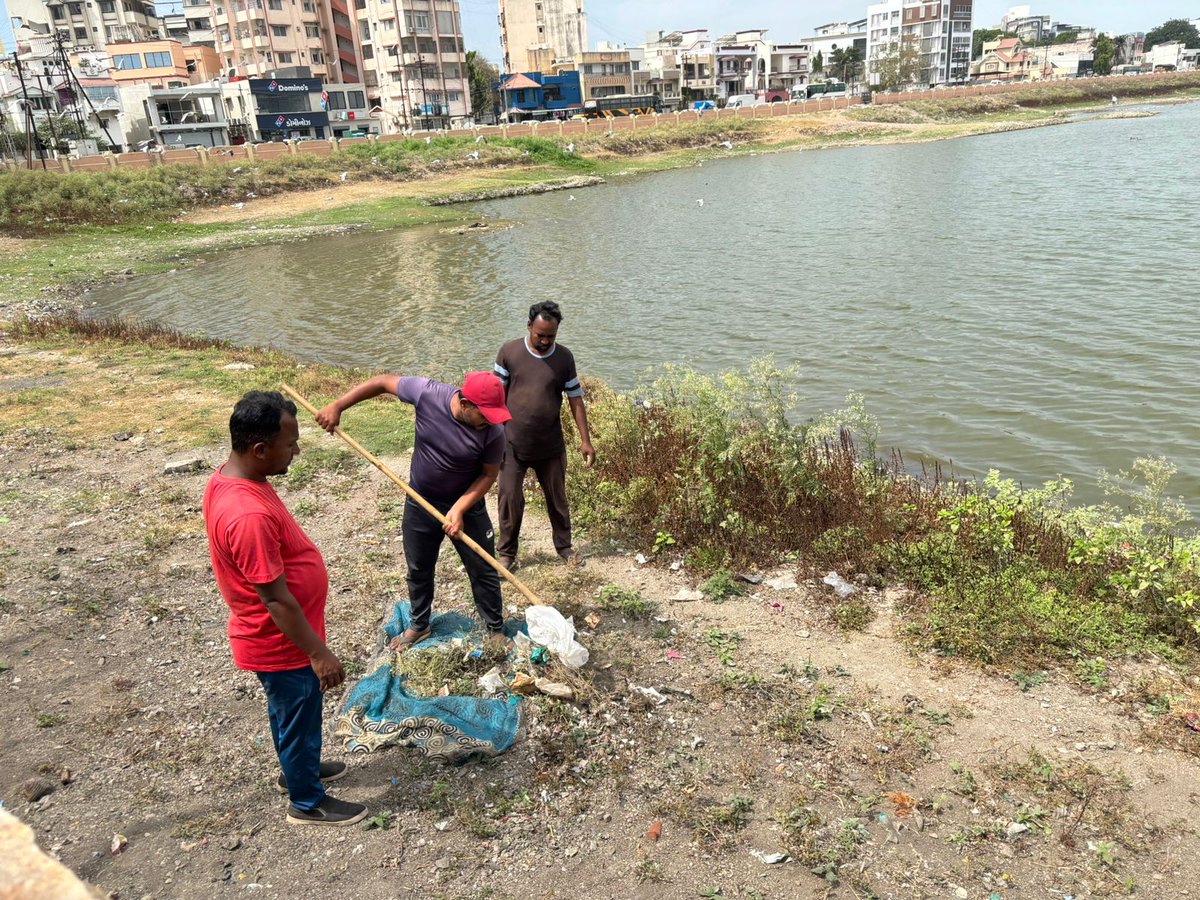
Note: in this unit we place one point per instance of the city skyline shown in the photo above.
(627, 21)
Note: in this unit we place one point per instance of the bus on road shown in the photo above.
(622, 105)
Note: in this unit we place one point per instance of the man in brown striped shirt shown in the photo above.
(537, 371)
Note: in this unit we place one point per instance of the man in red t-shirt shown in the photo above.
(274, 580)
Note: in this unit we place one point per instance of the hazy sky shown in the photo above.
(626, 21)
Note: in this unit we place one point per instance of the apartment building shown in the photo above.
(536, 33)
(940, 31)
(832, 37)
(415, 63)
(747, 63)
(602, 73)
(264, 38)
(166, 63)
(89, 24)
(680, 66)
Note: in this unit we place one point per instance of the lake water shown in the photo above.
(1025, 301)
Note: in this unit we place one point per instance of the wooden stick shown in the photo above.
(424, 504)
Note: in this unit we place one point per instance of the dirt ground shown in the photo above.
(877, 772)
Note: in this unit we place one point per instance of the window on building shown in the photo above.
(223, 35)
(123, 62)
(446, 23)
(360, 4)
(108, 6)
(368, 52)
(285, 57)
(313, 31)
(279, 30)
(393, 51)
(450, 45)
(99, 95)
(337, 100)
(76, 9)
(81, 34)
(408, 44)
(453, 96)
(318, 57)
(308, 6)
(57, 13)
(452, 70)
(417, 21)
(356, 99)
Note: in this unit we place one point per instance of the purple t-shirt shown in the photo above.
(447, 456)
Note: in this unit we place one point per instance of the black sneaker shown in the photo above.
(330, 771)
(330, 811)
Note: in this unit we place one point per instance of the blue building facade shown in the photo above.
(529, 95)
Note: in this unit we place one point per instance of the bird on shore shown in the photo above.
(480, 139)
(1114, 100)
(728, 145)
(344, 176)
(571, 147)
(428, 140)
(474, 154)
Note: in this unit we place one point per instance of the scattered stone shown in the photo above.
(1016, 828)
(231, 843)
(183, 466)
(443, 863)
(571, 851)
(750, 577)
(119, 843)
(654, 832)
(687, 596)
(121, 436)
(238, 367)
(649, 692)
(962, 893)
(783, 583)
(66, 776)
(35, 789)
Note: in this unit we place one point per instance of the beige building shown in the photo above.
(90, 23)
(265, 38)
(536, 33)
(415, 64)
(602, 73)
(682, 66)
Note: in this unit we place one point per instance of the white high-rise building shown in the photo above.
(939, 31)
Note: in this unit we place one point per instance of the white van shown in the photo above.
(738, 101)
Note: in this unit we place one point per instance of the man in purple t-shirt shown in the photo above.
(456, 457)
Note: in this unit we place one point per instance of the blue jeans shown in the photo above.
(294, 707)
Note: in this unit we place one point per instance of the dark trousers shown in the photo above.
(552, 476)
(423, 539)
(294, 708)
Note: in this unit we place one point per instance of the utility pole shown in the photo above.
(49, 116)
(30, 124)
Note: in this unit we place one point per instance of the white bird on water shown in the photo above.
(700, 202)
(572, 197)
(728, 145)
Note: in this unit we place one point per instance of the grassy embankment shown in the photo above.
(710, 468)
(68, 230)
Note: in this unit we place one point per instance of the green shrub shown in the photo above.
(721, 586)
(627, 601)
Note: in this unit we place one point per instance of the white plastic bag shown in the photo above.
(548, 628)
(840, 585)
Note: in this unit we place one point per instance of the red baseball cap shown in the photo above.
(486, 391)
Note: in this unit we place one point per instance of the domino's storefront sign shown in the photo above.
(290, 121)
(285, 85)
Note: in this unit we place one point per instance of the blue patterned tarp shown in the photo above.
(379, 712)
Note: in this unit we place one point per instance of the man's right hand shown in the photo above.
(329, 417)
(328, 668)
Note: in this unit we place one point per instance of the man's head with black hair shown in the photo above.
(263, 433)
(547, 310)
(543, 326)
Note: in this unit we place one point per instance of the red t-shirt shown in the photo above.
(252, 539)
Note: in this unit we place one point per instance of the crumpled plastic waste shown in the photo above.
(548, 628)
(840, 585)
(649, 693)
